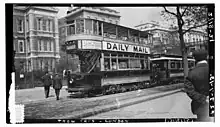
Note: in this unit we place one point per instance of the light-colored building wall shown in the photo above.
(32, 35)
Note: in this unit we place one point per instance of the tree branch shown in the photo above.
(169, 11)
(184, 11)
(194, 27)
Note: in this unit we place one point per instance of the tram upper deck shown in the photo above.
(106, 46)
(90, 29)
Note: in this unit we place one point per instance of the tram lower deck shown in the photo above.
(109, 72)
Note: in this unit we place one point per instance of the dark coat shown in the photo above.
(197, 86)
(57, 82)
(47, 80)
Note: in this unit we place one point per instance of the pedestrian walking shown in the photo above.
(197, 86)
(47, 81)
(57, 84)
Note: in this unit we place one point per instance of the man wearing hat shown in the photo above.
(57, 85)
(197, 86)
(47, 80)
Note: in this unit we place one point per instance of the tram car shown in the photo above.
(168, 69)
(112, 58)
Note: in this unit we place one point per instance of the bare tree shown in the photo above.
(187, 18)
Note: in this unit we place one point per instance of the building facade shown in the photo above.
(166, 40)
(36, 39)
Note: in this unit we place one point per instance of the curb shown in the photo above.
(91, 112)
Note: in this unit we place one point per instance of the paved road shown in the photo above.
(173, 106)
(50, 108)
(36, 94)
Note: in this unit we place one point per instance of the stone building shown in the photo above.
(36, 39)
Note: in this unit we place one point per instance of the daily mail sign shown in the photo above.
(125, 48)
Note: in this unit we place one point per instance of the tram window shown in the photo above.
(142, 57)
(107, 64)
(132, 56)
(77, 26)
(178, 64)
(134, 63)
(142, 64)
(95, 26)
(123, 63)
(172, 64)
(88, 26)
(137, 56)
(100, 28)
(125, 55)
(120, 55)
(114, 64)
(146, 64)
(190, 64)
(114, 55)
(106, 54)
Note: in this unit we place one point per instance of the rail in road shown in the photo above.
(67, 106)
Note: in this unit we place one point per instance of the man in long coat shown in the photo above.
(57, 85)
(197, 86)
(47, 80)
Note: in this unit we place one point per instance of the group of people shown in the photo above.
(52, 80)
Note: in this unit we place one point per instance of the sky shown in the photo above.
(130, 16)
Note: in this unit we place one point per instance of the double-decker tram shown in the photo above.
(112, 58)
(168, 68)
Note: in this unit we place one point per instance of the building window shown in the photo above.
(28, 45)
(45, 45)
(44, 25)
(50, 25)
(48, 45)
(21, 45)
(41, 64)
(40, 45)
(27, 25)
(51, 65)
(51, 45)
(46, 65)
(20, 25)
(39, 21)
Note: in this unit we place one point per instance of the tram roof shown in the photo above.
(166, 56)
(169, 58)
